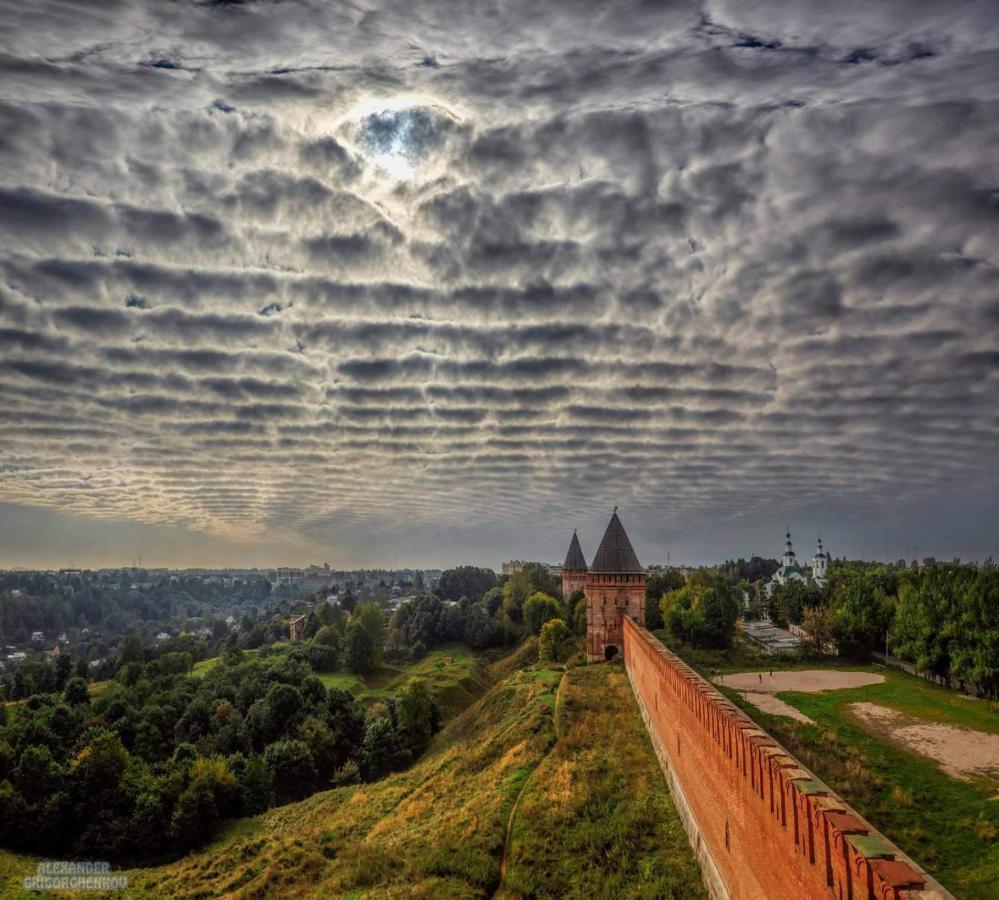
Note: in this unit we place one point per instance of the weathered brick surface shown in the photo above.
(609, 598)
(572, 582)
(761, 824)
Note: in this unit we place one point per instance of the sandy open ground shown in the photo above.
(809, 681)
(961, 752)
(759, 688)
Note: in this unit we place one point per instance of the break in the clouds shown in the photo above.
(425, 282)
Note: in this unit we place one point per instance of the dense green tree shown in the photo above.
(286, 706)
(24, 684)
(947, 624)
(532, 578)
(131, 649)
(292, 769)
(328, 636)
(861, 609)
(538, 609)
(359, 650)
(369, 616)
(465, 581)
(63, 669)
(703, 612)
(656, 586)
(417, 714)
(256, 785)
(553, 641)
(380, 752)
(76, 691)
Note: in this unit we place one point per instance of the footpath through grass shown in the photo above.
(597, 819)
(949, 826)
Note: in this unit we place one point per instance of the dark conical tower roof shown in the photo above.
(574, 559)
(615, 553)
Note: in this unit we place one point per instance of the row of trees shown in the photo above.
(941, 617)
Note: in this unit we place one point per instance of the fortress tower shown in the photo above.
(615, 585)
(573, 570)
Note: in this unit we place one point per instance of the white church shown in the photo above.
(813, 576)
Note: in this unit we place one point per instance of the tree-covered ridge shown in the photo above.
(150, 764)
(148, 767)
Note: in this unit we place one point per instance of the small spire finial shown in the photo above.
(615, 509)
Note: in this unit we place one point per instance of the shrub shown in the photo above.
(553, 641)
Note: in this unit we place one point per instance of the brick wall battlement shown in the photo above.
(761, 825)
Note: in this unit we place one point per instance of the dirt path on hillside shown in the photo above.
(961, 752)
(776, 707)
(529, 779)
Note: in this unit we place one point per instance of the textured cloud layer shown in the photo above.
(386, 280)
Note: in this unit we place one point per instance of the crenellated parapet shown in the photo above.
(760, 823)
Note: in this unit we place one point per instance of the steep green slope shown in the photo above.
(501, 796)
(596, 820)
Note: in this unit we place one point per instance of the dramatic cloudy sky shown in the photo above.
(426, 282)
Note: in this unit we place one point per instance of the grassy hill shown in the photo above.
(546, 786)
(454, 674)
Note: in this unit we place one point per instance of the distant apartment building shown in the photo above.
(516, 565)
(286, 575)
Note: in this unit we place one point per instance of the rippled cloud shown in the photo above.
(428, 282)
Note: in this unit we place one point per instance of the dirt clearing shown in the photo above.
(961, 752)
(808, 681)
(760, 688)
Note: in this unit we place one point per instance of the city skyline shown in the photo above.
(297, 282)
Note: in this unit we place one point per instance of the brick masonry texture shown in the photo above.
(609, 598)
(760, 824)
(572, 582)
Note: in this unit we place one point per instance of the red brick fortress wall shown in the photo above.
(761, 825)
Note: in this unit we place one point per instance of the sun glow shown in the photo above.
(398, 135)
